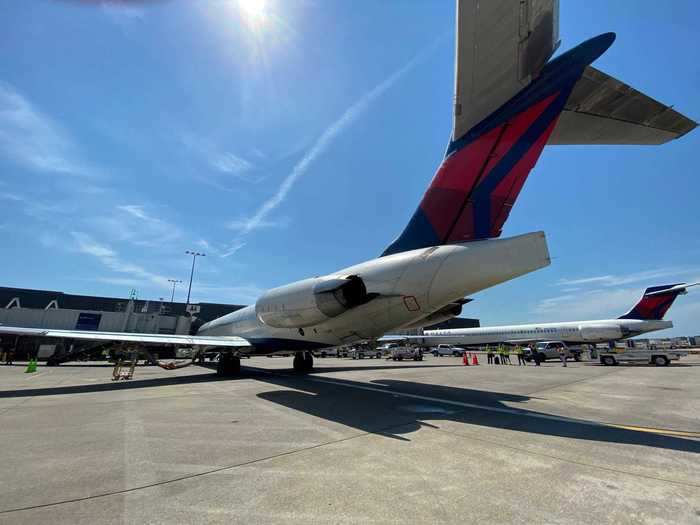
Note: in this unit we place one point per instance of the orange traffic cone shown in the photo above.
(465, 359)
(475, 361)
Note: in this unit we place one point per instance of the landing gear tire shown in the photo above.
(303, 362)
(308, 361)
(298, 362)
(228, 365)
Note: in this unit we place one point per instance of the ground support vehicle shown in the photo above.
(399, 353)
(634, 355)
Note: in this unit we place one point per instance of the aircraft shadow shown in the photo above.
(383, 413)
(112, 385)
(386, 414)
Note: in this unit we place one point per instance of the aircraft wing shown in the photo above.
(603, 110)
(146, 339)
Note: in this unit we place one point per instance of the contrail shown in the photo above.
(326, 138)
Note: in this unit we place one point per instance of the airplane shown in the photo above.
(645, 316)
(512, 97)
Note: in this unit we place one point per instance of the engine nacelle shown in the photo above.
(600, 332)
(311, 301)
(445, 313)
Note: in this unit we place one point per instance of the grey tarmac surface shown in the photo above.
(355, 442)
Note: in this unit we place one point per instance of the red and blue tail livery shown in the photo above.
(656, 301)
(484, 170)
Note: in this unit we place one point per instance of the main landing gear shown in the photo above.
(229, 365)
(303, 362)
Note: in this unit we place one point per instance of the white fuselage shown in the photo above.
(571, 332)
(405, 288)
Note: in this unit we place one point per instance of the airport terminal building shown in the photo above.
(58, 310)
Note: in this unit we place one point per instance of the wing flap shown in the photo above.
(603, 110)
(148, 339)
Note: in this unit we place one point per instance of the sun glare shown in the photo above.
(254, 12)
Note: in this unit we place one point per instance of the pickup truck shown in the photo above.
(550, 350)
(634, 355)
(444, 349)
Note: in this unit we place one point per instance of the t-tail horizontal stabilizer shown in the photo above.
(603, 110)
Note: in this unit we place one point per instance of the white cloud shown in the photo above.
(326, 138)
(136, 211)
(133, 223)
(619, 280)
(84, 243)
(601, 303)
(89, 246)
(611, 295)
(230, 163)
(224, 162)
(11, 197)
(233, 249)
(322, 143)
(34, 140)
(244, 224)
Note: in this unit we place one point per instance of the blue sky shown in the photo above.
(298, 142)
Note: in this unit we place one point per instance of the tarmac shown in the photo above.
(368, 441)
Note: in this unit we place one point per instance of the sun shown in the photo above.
(254, 12)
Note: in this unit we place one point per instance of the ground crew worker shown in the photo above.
(489, 354)
(501, 355)
(506, 353)
(562, 355)
(521, 357)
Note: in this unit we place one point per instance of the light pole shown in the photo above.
(175, 282)
(194, 258)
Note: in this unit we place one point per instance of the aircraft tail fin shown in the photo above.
(486, 165)
(656, 301)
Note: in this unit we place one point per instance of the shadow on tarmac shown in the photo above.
(350, 403)
(246, 373)
(394, 416)
(112, 385)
